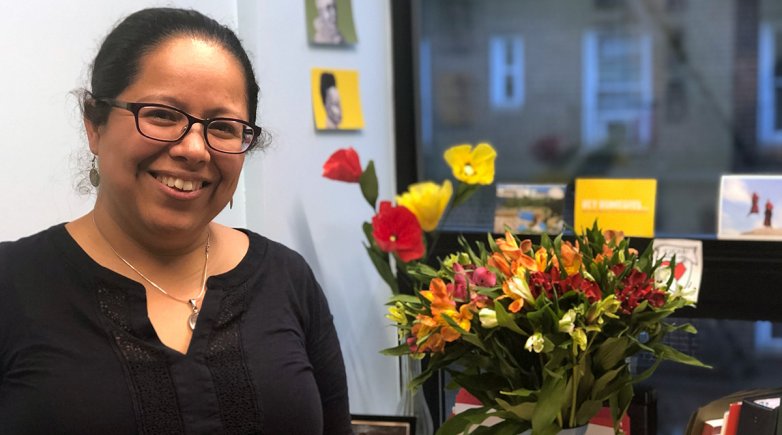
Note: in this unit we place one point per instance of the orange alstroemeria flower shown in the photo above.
(571, 258)
(499, 262)
(439, 296)
(525, 263)
(613, 235)
(426, 328)
(508, 246)
(516, 288)
(605, 255)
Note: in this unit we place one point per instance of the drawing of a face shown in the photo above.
(327, 11)
(333, 106)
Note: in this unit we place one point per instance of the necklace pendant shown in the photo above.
(193, 318)
(191, 321)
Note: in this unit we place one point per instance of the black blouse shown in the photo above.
(78, 353)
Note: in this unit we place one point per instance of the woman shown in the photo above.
(144, 316)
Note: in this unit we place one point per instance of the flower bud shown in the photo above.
(488, 318)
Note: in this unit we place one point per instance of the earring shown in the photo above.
(231, 203)
(94, 175)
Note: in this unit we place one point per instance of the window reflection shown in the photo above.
(643, 88)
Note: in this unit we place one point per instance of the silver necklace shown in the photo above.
(193, 317)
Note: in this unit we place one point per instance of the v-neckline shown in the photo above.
(140, 324)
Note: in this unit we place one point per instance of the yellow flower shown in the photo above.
(427, 201)
(472, 165)
(397, 314)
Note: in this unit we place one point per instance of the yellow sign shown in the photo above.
(617, 204)
(336, 104)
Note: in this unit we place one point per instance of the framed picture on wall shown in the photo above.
(382, 425)
(330, 22)
(336, 103)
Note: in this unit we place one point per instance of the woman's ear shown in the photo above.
(93, 135)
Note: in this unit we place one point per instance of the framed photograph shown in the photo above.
(746, 209)
(383, 425)
(529, 208)
(330, 22)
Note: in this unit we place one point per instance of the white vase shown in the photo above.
(413, 403)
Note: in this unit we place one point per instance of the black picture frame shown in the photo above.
(364, 424)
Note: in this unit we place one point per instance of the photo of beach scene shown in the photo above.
(529, 208)
(750, 207)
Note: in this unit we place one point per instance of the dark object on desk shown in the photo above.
(643, 411)
(382, 424)
(757, 419)
(717, 408)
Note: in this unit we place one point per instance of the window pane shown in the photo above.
(610, 89)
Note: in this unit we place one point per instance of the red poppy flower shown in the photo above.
(396, 229)
(343, 165)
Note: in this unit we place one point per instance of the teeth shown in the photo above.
(178, 183)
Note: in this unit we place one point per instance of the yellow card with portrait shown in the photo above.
(617, 204)
(336, 103)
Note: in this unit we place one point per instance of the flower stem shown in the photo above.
(574, 394)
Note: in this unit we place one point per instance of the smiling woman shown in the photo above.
(151, 316)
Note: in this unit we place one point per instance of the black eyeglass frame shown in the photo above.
(134, 108)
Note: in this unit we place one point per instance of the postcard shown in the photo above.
(330, 22)
(687, 259)
(336, 103)
(529, 208)
(746, 207)
(626, 205)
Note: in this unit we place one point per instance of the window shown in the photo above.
(506, 72)
(617, 89)
(770, 86)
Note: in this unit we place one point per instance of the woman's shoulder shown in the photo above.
(274, 252)
(25, 248)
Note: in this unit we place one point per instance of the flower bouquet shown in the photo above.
(541, 334)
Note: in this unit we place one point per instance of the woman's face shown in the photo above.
(203, 79)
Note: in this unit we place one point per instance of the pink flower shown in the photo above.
(483, 277)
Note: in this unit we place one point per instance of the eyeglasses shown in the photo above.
(169, 124)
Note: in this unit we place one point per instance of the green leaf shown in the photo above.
(599, 389)
(402, 349)
(610, 353)
(504, 427)
(466, 336)
(380, 260)
(368, 183)
(524, 410)
(505, 320)
(667, 352)
(459, 423)
(551, 401)
(405, 299)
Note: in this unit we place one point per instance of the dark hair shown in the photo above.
(327, 80)
(117, 63)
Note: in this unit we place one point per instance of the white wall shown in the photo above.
(47, 47)
(288, 200)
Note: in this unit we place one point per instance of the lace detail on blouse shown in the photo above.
(152, 389)
(239, 408)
